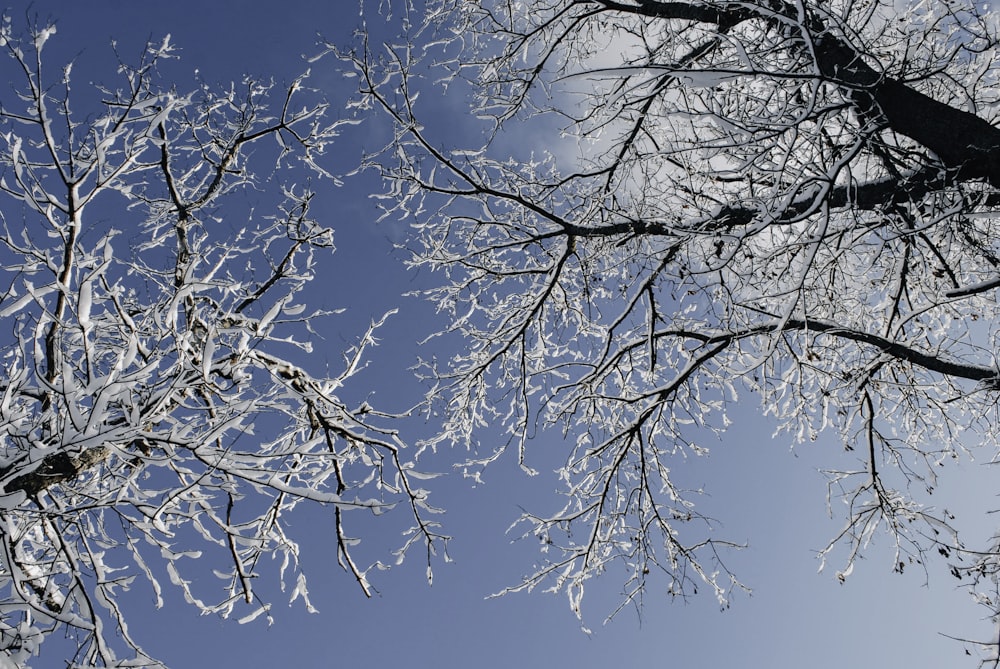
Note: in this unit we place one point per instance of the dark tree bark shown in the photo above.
(967, 145)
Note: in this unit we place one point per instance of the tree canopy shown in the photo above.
(675, 208)
(791, 203)
(155, 408)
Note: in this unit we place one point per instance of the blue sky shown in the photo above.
(760, 491)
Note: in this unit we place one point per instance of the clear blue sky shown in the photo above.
(759, 490)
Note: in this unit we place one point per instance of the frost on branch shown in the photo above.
(684, 205)
(155, 405)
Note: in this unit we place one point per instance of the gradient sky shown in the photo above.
(760, 491)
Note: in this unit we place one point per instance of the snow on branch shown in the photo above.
(155, 399)
(672, 207)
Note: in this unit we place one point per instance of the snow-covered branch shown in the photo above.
(678, 204)
(155, 398)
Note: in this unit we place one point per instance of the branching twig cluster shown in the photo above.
(154, 406)
(793, 200)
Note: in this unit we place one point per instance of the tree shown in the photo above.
(788, 201)
(154, 405)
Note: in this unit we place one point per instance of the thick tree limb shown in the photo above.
(962, 141)
(934, 363)
(56, 468)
